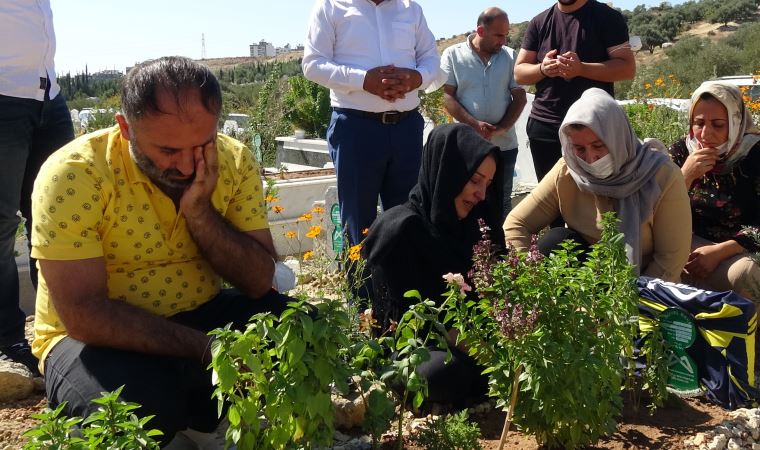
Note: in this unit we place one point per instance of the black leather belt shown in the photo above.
(387, 117)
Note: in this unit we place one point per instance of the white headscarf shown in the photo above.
(742, 133)
(632, 182)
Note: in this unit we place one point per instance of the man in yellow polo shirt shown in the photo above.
(135, 226)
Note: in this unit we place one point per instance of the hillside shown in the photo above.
(714, 31)
(230, 62)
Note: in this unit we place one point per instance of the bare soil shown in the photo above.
(668, 428)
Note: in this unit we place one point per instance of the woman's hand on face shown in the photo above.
(699, 163)
(703, 260)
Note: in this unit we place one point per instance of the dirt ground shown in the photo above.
(666, 429)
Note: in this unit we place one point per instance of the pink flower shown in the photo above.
(458, 279)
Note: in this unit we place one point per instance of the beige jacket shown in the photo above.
(665, 235)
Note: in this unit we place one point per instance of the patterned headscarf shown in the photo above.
(742, 133)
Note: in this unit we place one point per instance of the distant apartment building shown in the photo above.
(262, 49)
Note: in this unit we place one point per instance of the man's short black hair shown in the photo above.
(173, 75)
(488, 16)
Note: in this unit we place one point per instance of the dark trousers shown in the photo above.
(30, 131)
(372, 159)
(545, 149)
(551, 239)
(458, 382)
(508, 161)
(176, 390)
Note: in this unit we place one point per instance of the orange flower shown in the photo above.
(317, 210)
(365, 231)
(308, 255)
(659, 82)
(271, 198)
(647, 86)
(314, 231)
(671, 76)
(277, 209)
(290, 234)
(305, 217)
(354, 253)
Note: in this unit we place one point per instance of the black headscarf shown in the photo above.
(450, 158)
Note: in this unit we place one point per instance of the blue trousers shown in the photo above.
(30, 131)
(372, 159)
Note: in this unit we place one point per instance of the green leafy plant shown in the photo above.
(395, 356)
(454, 432)
(553, 329)
(431, 106)
(655, 374)
(277, 375)
(367, 355)
(307, 106)
(113, 425)
(418, 330)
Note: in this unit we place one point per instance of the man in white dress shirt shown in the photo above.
(373, 55)
(34, 122)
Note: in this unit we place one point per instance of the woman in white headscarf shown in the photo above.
(720, 161)
(605, 167)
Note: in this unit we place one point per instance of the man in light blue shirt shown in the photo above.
(481, 90)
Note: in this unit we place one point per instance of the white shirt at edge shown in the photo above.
(27, 48)
(346, 38)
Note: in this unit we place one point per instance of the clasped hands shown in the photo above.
(391, 83)
(567, 65)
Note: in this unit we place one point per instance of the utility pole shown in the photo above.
(203, 46)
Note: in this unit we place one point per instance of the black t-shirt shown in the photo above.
(589, 32)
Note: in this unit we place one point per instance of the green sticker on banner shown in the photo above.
(337, 234)
(677, 328)
(257, 147)
(679, 331)
(682, 372)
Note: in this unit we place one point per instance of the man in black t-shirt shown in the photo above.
(570, 47)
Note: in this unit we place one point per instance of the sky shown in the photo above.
(106, 34)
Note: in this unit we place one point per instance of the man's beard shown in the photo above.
(166, 179)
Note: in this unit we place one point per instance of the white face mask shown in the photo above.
(695, 144)
(600, 169)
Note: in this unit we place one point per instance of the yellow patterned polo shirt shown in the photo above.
(90, 200)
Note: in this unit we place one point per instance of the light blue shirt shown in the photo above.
(483, 89)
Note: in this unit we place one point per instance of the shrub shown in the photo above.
(453, 432)
(307, 106)
(113, 425)
(280, 373)
(564, 324)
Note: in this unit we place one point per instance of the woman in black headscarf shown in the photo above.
(411, 246)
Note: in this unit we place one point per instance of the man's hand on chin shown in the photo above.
(196, 200)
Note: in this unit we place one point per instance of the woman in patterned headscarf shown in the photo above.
(720, 162)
